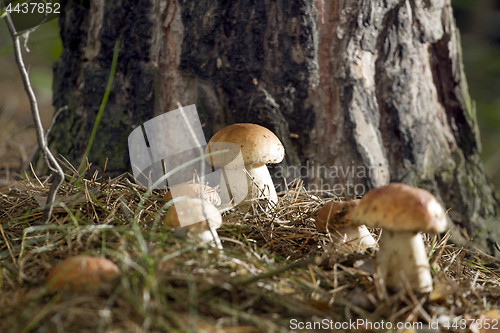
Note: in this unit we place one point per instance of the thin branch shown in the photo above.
(42, 143)
(54, 118)
(31, 30)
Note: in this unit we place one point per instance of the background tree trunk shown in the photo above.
(360, 92)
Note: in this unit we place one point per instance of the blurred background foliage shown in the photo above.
(478, 21)
(479, 24)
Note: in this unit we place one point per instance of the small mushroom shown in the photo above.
(403, 212)
(259, 146)
(335, 216)
(81, 273)
(193, 191)
(189, 214)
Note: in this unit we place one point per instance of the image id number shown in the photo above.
(33, 8)
(477, 323)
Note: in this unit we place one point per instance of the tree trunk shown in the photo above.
(360, 92)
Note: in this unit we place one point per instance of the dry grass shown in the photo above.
(274, 267)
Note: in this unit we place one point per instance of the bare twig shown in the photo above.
(56, 169)
(64, 108)
(26, 34)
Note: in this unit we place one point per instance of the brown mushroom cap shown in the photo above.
(81, 273)
(193, 191)
(191, 212)
(400, 207)
(335, 214)
(258, 145)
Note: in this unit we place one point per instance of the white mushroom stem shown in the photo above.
(403, 252)
(234, 186)
(200, 232)
(359, 236)
(261, 179)
(238, 187)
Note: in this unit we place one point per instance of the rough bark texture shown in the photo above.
(345, 84)
(81, 75)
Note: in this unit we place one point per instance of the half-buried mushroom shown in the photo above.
(189, 214)
(81, 273)
(335, 218)
(193, 191)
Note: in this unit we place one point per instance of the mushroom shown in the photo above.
(258, 146)
(403, 212)
(188, 214)
(81, 273)
(335, 216)
(193, 191)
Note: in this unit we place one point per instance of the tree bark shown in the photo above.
(361, 92)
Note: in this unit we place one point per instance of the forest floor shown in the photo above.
(275, 272)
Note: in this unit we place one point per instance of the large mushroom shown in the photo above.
(403, 212)
(335, 217)
(258, 147)
(190, 213)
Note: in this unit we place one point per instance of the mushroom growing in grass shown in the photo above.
(259, 147)
(403, 212)
(188, 213)
(193, 191)
(82, 273)
(335, 217)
